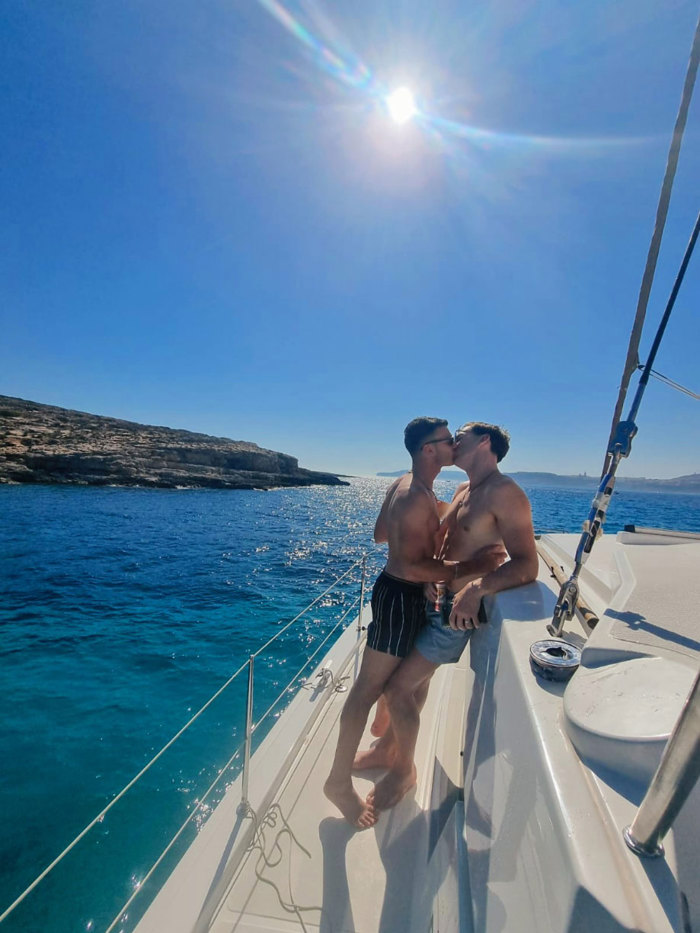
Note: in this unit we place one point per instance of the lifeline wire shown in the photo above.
(49, 868)
(114, 800)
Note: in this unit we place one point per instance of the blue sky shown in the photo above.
(210, 222)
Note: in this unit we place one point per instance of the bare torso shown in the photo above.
(411, 522)
(470, 523)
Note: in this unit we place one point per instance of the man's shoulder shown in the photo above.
(396, 487)
(507, 490)
(411, 499)
(402, 486)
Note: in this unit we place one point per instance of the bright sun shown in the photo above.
(401, 105)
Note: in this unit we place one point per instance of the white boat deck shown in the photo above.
(538, 840)
(326, 875)
(307, 868)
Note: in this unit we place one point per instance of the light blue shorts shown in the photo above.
(437, 642)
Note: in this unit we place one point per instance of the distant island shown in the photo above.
(44, 444)
(685, 484)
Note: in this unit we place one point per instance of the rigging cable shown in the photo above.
(619, 447)
(644, 379)
(632, 361)
(622, 432)
(671, 383)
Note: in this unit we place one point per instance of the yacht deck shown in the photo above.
(539, 836)
(306, 867)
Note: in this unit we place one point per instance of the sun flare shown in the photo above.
(401, 105)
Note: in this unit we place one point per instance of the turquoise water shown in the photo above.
(122, 611)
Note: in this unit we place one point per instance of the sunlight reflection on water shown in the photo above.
(123, 610)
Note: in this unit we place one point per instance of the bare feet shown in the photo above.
(392, 788)
(358, 812)
(380, 755)
(381, 718)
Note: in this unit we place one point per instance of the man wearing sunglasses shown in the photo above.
(409, 521)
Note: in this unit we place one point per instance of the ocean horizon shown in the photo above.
(680, 485)
(124, 610)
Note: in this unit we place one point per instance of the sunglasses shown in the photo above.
(440, 440)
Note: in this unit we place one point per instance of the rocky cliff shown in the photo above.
(44, 444)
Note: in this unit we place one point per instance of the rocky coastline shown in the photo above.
(45, 444)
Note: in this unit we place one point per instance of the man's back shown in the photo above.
(409, 522)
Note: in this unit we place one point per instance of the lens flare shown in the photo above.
(450, 136)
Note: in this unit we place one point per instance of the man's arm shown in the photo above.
(443, 508)
(458, 491)
(514, 521)
(381, 527)
(446, 513)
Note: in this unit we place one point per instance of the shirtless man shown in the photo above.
(409, 521)
(490, 509)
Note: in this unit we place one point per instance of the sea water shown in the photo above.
(122, 611)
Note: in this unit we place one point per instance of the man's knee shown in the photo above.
(364, 693)
(397, 693)
(421, 691)
(409, 684)
(375, 671)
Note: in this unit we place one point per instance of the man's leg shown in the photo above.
(383, 753)
(381, 718)
(406, 693)
(379, 755)
(376, 669)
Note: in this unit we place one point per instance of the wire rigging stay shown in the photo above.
(632, 360)
(623, 432)
(671, 383)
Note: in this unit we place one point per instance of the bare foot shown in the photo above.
(392, 788)
(381, 718)
(380, 755)
(358, 812)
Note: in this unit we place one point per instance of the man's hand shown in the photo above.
(465, 609)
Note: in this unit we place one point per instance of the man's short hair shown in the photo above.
(417, 430)
(499, 437)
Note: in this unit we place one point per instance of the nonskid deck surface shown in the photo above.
(320, 873)
(647, 593)
(307, 868)
(662, 610)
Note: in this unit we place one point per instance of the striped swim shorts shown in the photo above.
(398, 614)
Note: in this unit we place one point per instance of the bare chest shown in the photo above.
(475, 523)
